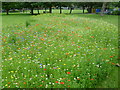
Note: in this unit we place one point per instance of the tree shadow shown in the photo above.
(19, 14)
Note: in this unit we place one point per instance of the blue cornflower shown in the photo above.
(40, 66)
(40, 63)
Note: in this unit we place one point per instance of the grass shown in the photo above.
(55, 51)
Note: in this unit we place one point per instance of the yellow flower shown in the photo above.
(12, 71)
(24, 75)
(15, 71)
(6, 85)
(11, 76)
(10, 59)
(64, 64)
(58, 68)
(60, 60)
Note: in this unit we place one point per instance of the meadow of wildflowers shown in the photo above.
(58, 51)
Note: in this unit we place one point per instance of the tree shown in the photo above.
(48, 5)
(30, 5)
(103, 8)
(71, 6)
(59, 5)
(7, 6)
(81, 4)
(39, 4)
(90, 5)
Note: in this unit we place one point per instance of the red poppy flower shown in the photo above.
(61, 82)
(67, 53)
(37, 24)
(45, 69)
(8, 82)
(64, 78)
(33, 45)
(45, 35)
(104, 48)
(78, 79)
(42, 39)
(113, 63)
(87, 27)
(111, 56)
(24, 82)
(59, 31)
(68, 72)
(4, 37)
(73, 32)
(78, 46)
(40, 85)
(68, 86)
(68, 80)
(56, 82)
(92, 36)
(91, 79)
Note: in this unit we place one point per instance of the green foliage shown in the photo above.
(116, 12)
(28, 23)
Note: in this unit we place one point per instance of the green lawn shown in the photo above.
(57, 50)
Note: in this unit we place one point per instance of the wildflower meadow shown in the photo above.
(57, 51)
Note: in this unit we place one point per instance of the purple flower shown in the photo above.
(40, 66)
(54, 67)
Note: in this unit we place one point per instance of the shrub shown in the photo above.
(116, 12)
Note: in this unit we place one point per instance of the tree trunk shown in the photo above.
(23, 10)
(83, 9)
(60, 9)
(45, 10)
(26, 10)
(70, 10)
(50, 9)
(7, 11)
(38, 11)
(32, 11)
(103, 8)
(90, 9)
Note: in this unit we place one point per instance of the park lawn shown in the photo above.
(113, 19)
(58, 50)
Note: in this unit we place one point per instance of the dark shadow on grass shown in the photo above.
(19, 14)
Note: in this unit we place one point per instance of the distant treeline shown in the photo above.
(7, 6)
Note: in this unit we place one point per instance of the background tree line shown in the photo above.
(37, 5)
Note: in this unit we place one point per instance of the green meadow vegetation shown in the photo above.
(59, 51)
